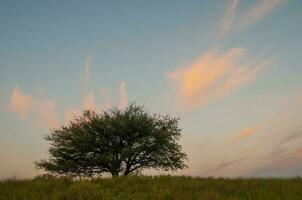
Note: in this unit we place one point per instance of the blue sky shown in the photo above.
(230, 69)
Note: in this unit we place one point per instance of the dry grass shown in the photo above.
(144, 188)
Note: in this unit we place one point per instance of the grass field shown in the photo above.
(162, 187)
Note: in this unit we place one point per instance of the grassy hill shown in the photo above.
(144, 188)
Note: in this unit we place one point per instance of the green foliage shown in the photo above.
(115, 141)
(151, 188)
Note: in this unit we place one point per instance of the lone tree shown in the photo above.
(115, 141)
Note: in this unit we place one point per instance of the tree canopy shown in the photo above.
(115, 141)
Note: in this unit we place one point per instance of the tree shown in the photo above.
(115, 141)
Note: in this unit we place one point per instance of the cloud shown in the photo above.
(288, 165)
(255, 13)
(227, 20)
(293, 136)
(215, 75)
(123, 95)
(47, 114)
(223, 165)
(278, 151)
(87, 72)
(229, 23)
(89, 102)
(72, 113)
(43, 111)
(246, 133)
(20, 103)
(106, 98)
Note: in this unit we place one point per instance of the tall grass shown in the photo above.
(144, 188)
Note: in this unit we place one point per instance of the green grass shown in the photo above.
(144, 188)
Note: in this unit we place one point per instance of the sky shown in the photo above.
(231, 70)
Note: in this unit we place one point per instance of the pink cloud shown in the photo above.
(215, 75)
(248, 132)
(123, 95)
(72, 113)
(106, 99)
(20, 103)
(89, 102)
(43, 111)
(47, 114)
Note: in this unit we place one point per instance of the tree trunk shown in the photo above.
(127, 170)
(114, 173)
(126, 173)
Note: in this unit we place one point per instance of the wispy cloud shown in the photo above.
(87, 72)
(27, 106)
(106, 98)
(123, 95)
(215, 75)
(291, 137)
(227, 20)
(20, 103)
(224, 165)
(285, 165)
(246, 133)
(72, 113)
(47, 116)
(229, 23)
(278, 151)
(257, 12)
(43, 112)
(89, 102)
